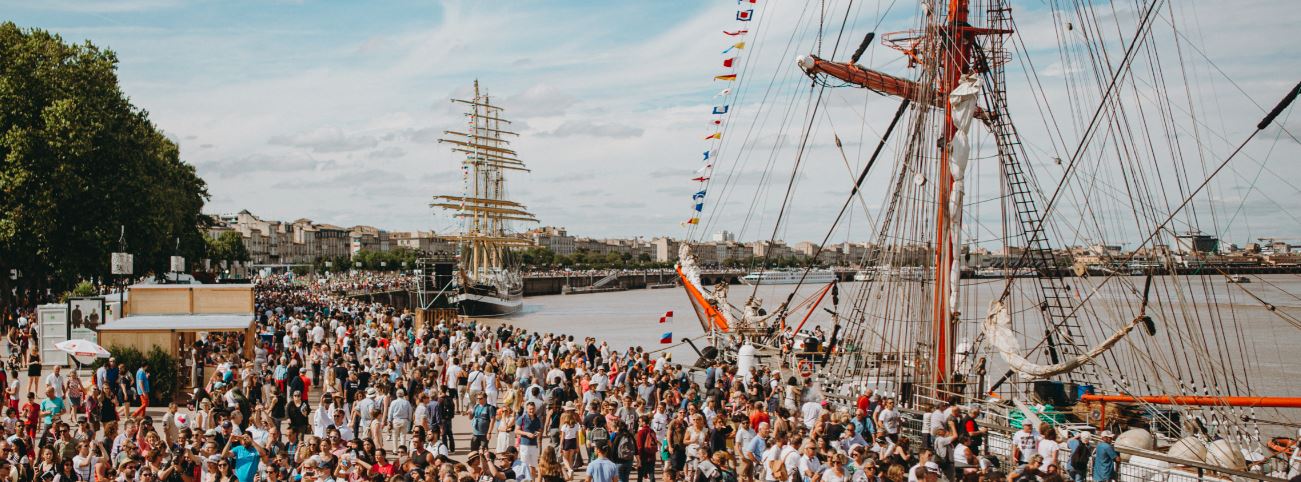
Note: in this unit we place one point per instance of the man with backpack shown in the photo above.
(647, 450)
(1078, 469)
(446, 409)
(594, 423)
(624, 451)
(480, 422)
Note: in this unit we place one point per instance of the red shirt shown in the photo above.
(307, 386)
(863, 402)
(757, 417)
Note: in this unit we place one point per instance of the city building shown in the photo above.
(555, 239)
(665, 250)
(1196, 242)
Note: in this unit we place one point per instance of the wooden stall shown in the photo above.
(190, 299)
(144, 332)
(169, 316)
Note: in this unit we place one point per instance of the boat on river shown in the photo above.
(487, 280)
(788, 277)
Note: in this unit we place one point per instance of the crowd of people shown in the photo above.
(341, 389)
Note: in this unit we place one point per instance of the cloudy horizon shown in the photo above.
(331, 110)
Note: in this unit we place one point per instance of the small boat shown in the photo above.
(1237, 278)
(785, 277)
(1006, 272)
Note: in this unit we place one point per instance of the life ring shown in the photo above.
(1281, 444)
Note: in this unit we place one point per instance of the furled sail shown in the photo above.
(963, 102)
(710, 308)
(998, 328)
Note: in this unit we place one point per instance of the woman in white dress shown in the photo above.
(490, 384)
(505, 429)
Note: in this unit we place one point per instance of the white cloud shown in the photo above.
(613, 98)
(96, 6)
(325, 139)
(593, 129)
(539, 101)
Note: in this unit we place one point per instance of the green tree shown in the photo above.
(229, 246)
(80, 162)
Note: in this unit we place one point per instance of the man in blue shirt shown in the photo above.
(248, 455)
(1104, 459)
(602, 469)
(1077, 466)
(51, 408)
(142, 389)
(752, 464)
(529, 427)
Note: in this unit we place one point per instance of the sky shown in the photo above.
(330, 110)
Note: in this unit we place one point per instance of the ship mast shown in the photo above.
(483, 205)
(954, 64)
(948, 48)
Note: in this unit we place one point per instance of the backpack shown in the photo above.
(778, 469)
(1080, 458)
(623, 448)
(598, 433)
(723, 475)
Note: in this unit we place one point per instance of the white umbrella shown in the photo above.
(83, 350)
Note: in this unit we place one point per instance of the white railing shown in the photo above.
(1143, 466)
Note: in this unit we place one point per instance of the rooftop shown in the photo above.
(180, 323)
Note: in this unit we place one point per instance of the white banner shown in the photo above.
(122, 263)
(54, 329)
(85, 316)
(178, 264)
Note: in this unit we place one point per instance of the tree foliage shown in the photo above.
(539, 258)
(229, 246)
(390, 260)
(80, 162)
(165, 371)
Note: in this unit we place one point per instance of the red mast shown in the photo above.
(954, 62)
(950, 48)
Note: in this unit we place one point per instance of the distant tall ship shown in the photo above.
(487, 282)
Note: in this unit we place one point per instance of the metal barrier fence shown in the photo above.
(1142, 466)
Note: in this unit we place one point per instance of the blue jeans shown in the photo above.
(625, 471)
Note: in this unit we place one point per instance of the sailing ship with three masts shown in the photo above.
(487, 281)
(1162, 359)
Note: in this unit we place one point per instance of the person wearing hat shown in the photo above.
(364, 407)
(569, 431)
(1025, 443)
(602, 469)
(1105, 458)
(1029, 472)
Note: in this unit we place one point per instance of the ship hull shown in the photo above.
(488, 301)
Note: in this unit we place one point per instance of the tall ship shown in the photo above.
(954, 133)
(487, 280)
